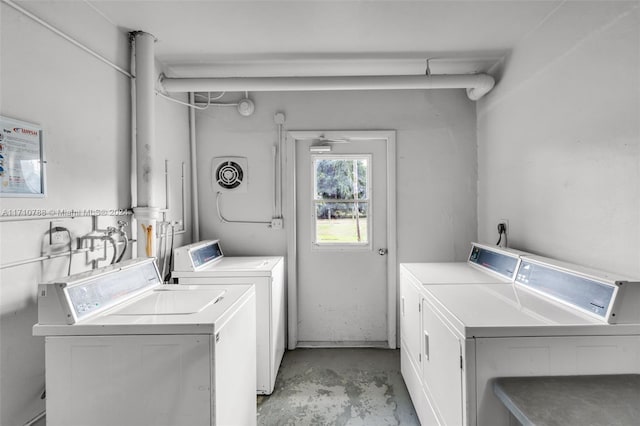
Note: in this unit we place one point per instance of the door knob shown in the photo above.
(382, 251)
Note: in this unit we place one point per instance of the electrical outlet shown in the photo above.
(57, 241)
(279, 118)
(506, 225)
(276, 223)
(59, 237)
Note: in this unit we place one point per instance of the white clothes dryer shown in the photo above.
(204, 263)
(555, 319)
(124, 349)
(484, 265)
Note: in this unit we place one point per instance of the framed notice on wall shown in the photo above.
(21, 159)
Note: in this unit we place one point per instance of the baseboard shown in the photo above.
(383, 344)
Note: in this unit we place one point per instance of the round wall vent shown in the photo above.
(229, 174)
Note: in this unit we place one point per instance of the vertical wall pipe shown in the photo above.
(275, 151)
(146, 212)
(183, 225)
(195, 218)
(166, 185)
(280, 157)
(134, 179)
(145, 117)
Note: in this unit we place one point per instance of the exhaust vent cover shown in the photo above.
(229, 174)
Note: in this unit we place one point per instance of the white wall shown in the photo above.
(559, 140)
(436, 154)
(84, 108)
(172, 139)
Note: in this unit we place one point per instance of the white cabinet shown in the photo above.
(442, 365)
(129, 380)
(410, 323)
(234, 358)
(410, 346)
(433, 359)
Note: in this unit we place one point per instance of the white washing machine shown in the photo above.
(204, 263)
(124, 349)
(556, 319)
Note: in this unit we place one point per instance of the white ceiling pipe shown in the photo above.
(484, 86)
(477, 85)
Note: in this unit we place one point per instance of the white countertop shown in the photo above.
(451, 273)
(498, 310)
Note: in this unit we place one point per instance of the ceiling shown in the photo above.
(248, 38)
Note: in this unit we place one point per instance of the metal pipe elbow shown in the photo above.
(484, 84)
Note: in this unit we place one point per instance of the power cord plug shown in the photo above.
(502, 230)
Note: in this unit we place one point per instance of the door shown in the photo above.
(342, 242)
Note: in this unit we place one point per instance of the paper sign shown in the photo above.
(21, 159)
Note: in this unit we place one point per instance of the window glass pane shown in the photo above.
(342, 223)
(341, 178)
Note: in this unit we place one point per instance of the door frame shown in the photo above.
(293, 136)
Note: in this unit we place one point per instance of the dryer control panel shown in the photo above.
(611, 299)
(494, 259)
(588, 295)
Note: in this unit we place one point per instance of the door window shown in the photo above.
(341, 201)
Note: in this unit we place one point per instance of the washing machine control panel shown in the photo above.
(197, 255)
(80, 296)
(205, 254)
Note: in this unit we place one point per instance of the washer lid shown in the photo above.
(163, 302)
(141, 320)
(250, 263)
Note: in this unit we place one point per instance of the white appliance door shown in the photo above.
(162, 380)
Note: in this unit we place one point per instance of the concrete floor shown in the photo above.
(338, 387)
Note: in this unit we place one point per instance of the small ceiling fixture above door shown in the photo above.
(320, 148)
